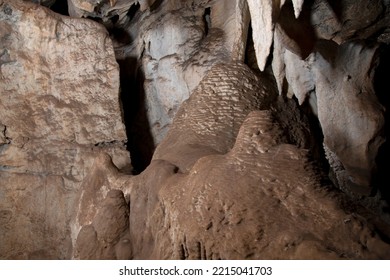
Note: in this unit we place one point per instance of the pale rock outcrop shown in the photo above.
(233, 18)
(176, 46)
(168, 43)
(335, 82)
(297, 7)
(193, 202)
(353, 133)
(264, 16)
(352, 119)
(263, 29)
(59, 108)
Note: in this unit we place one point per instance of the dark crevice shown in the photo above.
(114, 19)
(316, 137)
(60, 7)
(157, 3)
(337, 7)
(381, 180)
(134, 9)
(97, 19)
(119, 36)
(140, 142)
(299, 30)
(207, 20)
(182, 255)
(250, 53)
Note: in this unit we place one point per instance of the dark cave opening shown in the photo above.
(250, 53)
(382, 181)
(60, 7)
(134, 9)
(207, 20)
(316, 138)
(140, 142)
(114, 19)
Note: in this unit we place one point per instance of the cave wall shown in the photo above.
(59, 108)
(165, 84)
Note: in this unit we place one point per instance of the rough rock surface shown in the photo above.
(232, 169)
(328, 60)
(351, 116)
(59, 107)
(199, 208)
(164, 52)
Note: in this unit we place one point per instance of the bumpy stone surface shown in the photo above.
(192, 202)
(226, 181)
(59, 108)
(223, 98)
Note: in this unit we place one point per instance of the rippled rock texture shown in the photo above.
(225, 185)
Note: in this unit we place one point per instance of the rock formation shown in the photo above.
(59, 106)
(256, 129)
(206, 173)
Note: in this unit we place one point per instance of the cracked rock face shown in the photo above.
(59, 107)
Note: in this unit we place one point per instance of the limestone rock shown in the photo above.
(299, 75)
(263, 29)
(278, 64)
(233, 18)
(350, 114)
(164, 86)
(106, 237)
(192, 201)
(176, 46)
(224, 98)
(297, 7)
(306, 67)
(230, 177)
(55, 91)
(59, 108)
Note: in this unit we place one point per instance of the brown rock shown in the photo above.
(224, 98)
(192, 201)
(59, 108)
(225, 181)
